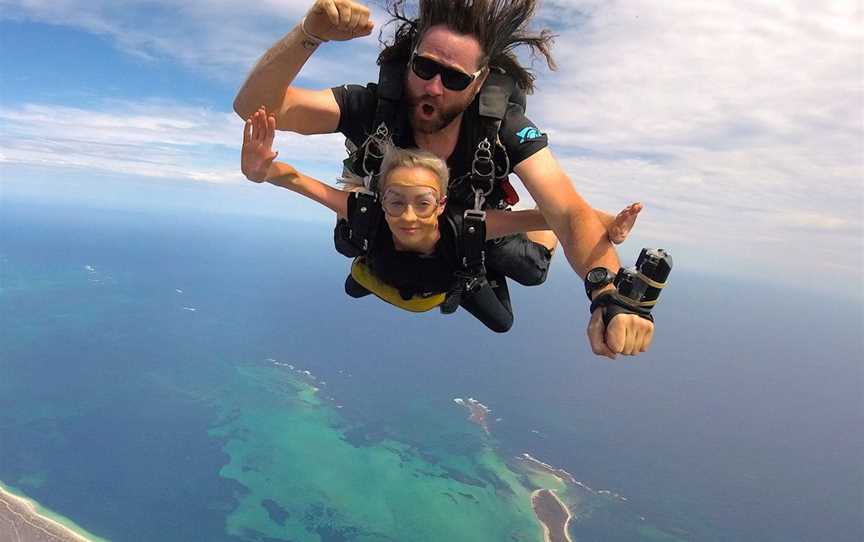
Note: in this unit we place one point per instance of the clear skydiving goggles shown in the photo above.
(424, 204)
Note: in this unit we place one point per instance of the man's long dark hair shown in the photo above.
(499, 25)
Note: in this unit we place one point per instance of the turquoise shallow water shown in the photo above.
(146, 394)
(307, 482)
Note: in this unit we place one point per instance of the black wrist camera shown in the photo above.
(637, 289)
(640, 286)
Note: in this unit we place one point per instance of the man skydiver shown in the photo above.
(451, 50)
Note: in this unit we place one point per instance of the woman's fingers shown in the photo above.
(247, 131)
(254, 127)
(260, 126)
(271, 131)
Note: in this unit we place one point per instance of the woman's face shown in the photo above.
(412, 203)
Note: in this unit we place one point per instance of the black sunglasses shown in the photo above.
(451, 78)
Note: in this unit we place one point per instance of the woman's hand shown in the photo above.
(623, 223)
(257, 154)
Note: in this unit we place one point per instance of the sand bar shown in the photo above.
(552, 514)
(21, 522)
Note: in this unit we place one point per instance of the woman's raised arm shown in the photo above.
(257, 162)
(503, 223)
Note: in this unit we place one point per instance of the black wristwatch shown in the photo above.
(597, 278)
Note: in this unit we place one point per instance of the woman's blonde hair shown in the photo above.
(395, 157)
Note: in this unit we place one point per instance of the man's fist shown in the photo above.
(627, 334)
(338, 20)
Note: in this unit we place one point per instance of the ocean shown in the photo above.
(154, 386)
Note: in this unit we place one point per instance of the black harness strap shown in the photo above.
(495, 95)
(389, 93)
(490, 162)
(366, 161)
(472, 257)
(474, 241)
(367, 213)
(355, 235)
(492, 107)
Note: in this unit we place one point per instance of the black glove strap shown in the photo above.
(612, 306)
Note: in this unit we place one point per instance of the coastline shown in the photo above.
(554, 529)
(562, 475)
(25, 521)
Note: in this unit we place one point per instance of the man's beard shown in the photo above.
(441, 119)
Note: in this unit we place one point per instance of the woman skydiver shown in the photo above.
(414, 259)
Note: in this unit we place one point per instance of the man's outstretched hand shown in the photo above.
(257, 154)
(627, 334)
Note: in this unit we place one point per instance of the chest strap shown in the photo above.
(472, 247)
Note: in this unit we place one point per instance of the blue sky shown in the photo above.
(738, 124)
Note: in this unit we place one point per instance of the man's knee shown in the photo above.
(520, 259)
(535, 277)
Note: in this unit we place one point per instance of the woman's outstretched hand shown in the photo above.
(257, 154)
(623, 223)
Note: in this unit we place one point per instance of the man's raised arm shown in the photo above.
(269, 83)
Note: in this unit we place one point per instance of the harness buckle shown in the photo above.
(475, 214)
(372, 148)
(483, 166)
(470, 282)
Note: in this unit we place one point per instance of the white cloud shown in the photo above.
(740, 124)
(149, 139)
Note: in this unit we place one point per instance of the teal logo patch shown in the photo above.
(529, 133)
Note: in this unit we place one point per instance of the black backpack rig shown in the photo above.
(485, 186)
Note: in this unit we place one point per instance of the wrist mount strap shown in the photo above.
(613, 304)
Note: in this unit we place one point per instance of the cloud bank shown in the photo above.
(145, 139)
(738, 124)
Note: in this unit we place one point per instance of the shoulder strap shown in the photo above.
(390, 82)
(365, 161)
(496, 94)
(490, 162)
(361, 227)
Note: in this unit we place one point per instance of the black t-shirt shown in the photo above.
(413, 273)
(519, 136)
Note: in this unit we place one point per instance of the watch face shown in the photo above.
(597, 275)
